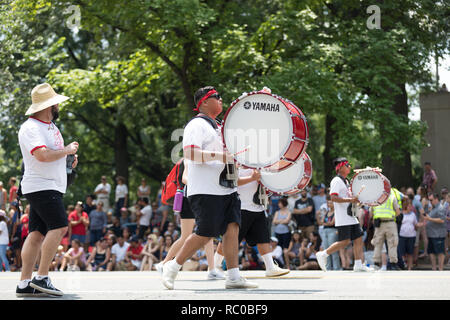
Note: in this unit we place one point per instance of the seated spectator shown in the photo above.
(134, 255)
(126, 234)
(118, 255)
(249, 259)
(309, 250)
(200, 257)
(277, 252)
(172, 231)
(292, 253)
(116, 228)
(89, 205)
(74, 258)
(124, 216)
(100, 256)
(149, 252)
(165, 247)
(58, 259)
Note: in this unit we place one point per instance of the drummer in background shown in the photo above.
(348, 226)
(254, 223)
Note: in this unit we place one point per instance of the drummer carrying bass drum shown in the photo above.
(347, 225)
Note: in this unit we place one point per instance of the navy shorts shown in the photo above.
(350, 232)
(406, 245)
(254, 228)
(47, 211)
(213, 213)
(436, 245)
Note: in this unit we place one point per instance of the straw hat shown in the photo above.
(43, 96)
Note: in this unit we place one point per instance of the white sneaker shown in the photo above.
(168, 276)
(363, 268)
(216, 274)
(159, 267)
(240, 283)
(321, 257)
(276, 272)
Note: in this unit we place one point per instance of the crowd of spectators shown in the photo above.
(116, 235)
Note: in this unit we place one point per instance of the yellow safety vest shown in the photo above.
(399, 197)
(386, 210)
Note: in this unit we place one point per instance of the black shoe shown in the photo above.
(394, 267)
(28, 292)
(45, 285)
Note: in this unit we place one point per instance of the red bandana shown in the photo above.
(206, 96)
(340, 165)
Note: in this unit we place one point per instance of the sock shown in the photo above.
(174, 265)
(218, 259)
(39, 277)
(268, 261)
(234, 274)
(358, 263)
(326, 253)
(24, 283)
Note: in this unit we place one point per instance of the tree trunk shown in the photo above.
(121, 151)
(398, 172)
(328, 154)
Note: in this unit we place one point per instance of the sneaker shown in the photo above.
(362, 268)
(168, 276)
(46, 286)
(216, 274)
(276, 272)
(28, 292)
(322, 260)
(159, 267)
(240, 283)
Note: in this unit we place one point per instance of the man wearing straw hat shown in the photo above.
(43, 184)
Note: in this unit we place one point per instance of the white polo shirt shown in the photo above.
(342, 190)
(39, 176)
(146, 216)
(203, 178)
(247, 191)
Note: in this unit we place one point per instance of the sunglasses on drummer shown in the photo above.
(216, 96)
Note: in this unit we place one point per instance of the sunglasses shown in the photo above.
(216, 96)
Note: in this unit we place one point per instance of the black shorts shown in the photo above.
(186, 211)
(47, 211)
(351, 232)
(254, 228)
(213, 213)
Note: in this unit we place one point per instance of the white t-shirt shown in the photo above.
(247, 191)
(4, 237)
(291, 201)
(146, 216)
(119, 251)
(203, 178)
(121, 191)
(106, 187)
(340, 189)
(39, 176)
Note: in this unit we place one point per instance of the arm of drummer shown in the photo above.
(337, 199)
(198, 155)
(256, 175)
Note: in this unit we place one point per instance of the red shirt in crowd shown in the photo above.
(79, 229)
(13, 193)
(136, 251)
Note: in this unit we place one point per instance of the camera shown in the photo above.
(69, 162)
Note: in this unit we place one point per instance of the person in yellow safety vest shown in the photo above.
(386, 229)
(399, 196)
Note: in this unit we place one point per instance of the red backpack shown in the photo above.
(173, 182)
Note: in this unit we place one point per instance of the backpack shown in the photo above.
(174, 179)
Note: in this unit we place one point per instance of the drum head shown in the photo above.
(290, 180)
(370, 187)
(263, 123)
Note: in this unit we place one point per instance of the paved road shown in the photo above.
(297, 285)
